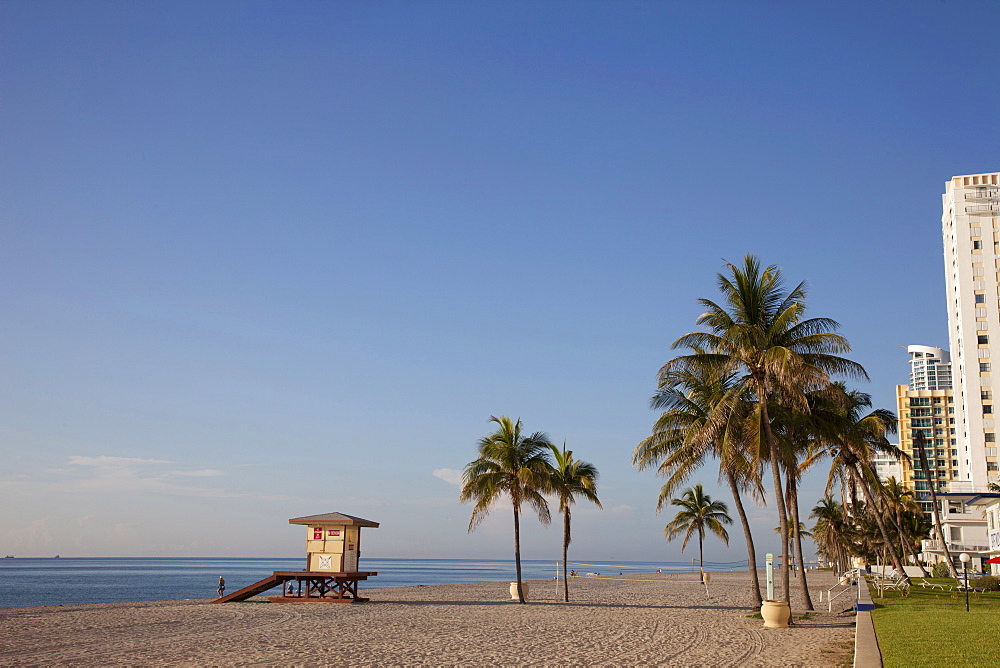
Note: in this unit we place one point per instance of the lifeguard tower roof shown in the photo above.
(333, 518)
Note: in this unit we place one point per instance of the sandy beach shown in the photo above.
(635, 620)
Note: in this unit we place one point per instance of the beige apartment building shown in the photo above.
(971, 211)
(932, 413)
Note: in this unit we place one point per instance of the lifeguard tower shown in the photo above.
(333, 547)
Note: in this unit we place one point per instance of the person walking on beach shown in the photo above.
(222, 586)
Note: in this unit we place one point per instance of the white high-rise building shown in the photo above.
(930, 368)
(971, 210)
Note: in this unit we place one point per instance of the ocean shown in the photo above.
(71, 580)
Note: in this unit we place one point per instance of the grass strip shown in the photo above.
(931, 627)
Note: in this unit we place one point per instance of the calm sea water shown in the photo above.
(27, 582)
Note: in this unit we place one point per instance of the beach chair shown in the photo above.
(924, 584)
(897, 583)
(962, 584)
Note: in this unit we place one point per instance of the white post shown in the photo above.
(769, 558)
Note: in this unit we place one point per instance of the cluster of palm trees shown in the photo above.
(525, 468)
(844, 532)
(755, 391)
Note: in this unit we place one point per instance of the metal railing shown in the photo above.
(935, 545)
(984, 193)
(850, 581)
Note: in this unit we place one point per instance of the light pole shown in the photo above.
(965, 576)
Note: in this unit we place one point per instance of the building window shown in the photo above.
(985, 394)
(990, 438)
(980, 299)
(977, 245)
(982, 339)
(984, 367)
(987, 408)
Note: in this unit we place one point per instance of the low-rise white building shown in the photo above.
(989, 504)
(966, 527)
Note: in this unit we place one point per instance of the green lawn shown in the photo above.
(932, 628)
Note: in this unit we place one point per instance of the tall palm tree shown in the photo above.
(761, 333)
(514, 465)
(920, 445)
(570, 478)
(854, 439)
(690, 430)
(698, 513)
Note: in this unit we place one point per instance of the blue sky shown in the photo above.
(261, 260)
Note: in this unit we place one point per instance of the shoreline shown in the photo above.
(624, 620)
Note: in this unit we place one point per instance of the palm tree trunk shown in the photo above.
(701, 558)
(870, 500)
(751, 553)
(918, 444)
(517, 555)
(793, 502)
(565, 553)
(779, 497)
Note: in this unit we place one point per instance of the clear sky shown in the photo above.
(261, 260)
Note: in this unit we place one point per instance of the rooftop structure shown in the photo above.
(930, 368)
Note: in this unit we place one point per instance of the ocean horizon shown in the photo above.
(37, 581)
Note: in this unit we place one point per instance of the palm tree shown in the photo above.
(690, 430)
(833, 533)
(803, 531)
(854, 439)
(761, 334)
(920, 445)
(571, 477)
(899, 501)
(698, 513)
(514, 465)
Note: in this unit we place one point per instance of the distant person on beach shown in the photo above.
(222, 586)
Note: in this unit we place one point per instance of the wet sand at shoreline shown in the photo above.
(635, 620)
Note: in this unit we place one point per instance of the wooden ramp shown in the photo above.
(252, 590)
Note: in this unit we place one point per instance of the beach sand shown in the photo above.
(635, 620)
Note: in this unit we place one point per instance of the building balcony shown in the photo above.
(927, 545)
(983, 195)
(983, 210)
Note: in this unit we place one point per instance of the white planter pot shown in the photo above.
(513, 590)
(776, 614)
